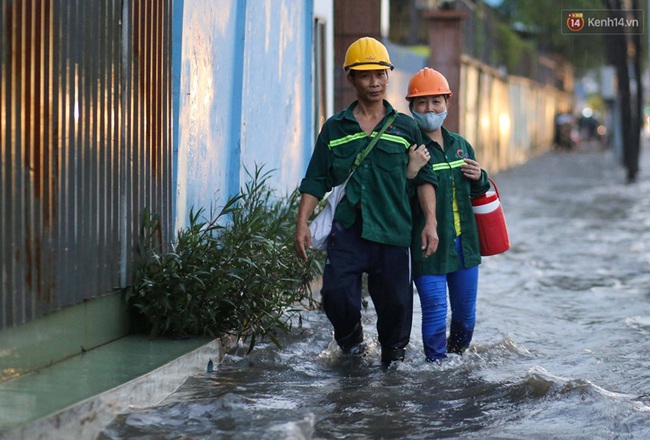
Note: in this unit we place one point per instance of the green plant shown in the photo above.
(517, 54)
(234, 272)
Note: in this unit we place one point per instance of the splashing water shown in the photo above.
(560, 347)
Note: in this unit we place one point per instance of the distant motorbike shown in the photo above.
(567, 134)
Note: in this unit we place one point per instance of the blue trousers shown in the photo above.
(389, 285)
(432, 289)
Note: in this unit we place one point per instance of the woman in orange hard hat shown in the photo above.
(454, 266)
(372, 224)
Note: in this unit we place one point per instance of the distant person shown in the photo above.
(454, 265)
(372, 224)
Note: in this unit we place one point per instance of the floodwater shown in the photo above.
(560, 349)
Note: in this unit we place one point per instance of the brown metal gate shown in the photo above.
(85, 146)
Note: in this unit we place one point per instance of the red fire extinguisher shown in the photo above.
(491, 223)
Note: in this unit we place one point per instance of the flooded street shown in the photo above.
(560, 349)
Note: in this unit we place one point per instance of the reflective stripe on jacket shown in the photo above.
(446, 166)
(379, 186)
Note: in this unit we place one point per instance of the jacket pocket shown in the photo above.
(342, 160)
(390, 157)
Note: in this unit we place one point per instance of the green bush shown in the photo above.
(234, 272)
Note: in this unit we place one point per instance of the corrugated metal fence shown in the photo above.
(506, 118)
(85, 146)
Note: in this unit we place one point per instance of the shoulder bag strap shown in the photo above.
(362, 155)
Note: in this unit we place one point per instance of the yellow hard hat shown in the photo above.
(428, 82)
(367, 54)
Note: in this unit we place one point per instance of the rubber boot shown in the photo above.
(389, 355)
(353, 342)
(456, 349)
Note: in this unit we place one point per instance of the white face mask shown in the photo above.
(429, 121)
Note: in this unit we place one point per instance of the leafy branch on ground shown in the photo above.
(231, 272)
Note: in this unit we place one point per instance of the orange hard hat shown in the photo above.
(428, 82)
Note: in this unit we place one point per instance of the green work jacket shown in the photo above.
(378, 188)
(446, 166)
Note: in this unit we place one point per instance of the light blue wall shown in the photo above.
(244, 97)
(277, 101)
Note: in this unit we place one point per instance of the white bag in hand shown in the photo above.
(321, 226)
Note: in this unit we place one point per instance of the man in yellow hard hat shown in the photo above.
(372, 223)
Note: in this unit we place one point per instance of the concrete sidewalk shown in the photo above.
(77, 398)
